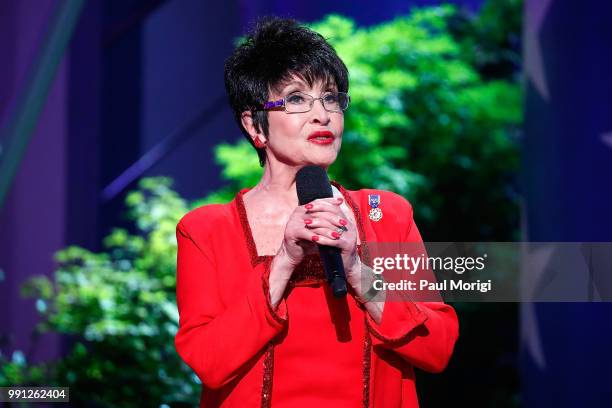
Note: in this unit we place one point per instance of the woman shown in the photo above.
(258, 323)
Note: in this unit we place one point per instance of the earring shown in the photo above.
(259, 144)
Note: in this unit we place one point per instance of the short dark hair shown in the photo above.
(270, 54)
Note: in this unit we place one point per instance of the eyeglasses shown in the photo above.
(300, 102)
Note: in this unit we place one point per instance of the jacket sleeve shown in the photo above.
(219, 341)
(423, 333)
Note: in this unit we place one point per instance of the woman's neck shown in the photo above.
(279, 182)
(276, 186)
(275, 191)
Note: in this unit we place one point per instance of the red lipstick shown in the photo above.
(322, 137)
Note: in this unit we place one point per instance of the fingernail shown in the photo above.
(335, 234)
(308, 206)
(315, 238)
(307, 221)
(340, 199)
(343, 222)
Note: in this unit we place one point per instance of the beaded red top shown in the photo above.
(313, 349)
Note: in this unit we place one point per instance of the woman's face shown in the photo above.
(312, 137)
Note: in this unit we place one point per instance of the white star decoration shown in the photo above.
(606, 138)
(535, 13)
(534, 263)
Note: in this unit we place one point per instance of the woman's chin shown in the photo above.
(322, 161)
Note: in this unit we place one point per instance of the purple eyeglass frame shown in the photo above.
(279, 103)
(274, 104)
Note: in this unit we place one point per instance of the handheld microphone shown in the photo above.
(312, 183)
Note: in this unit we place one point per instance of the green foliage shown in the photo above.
(119, 309)
(434, 117)
(16, 371)
(240, 167)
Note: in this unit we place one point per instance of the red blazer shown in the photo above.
(314, 350)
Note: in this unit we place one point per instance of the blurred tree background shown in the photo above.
(435, 116)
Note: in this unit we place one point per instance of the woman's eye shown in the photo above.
(295, 99)
(332, 98)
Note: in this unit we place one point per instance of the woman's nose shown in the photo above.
(319, 113)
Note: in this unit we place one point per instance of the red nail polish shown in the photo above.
(308, 206)
(335, 234)
(343, 222)
(315, 238)
(307, 221)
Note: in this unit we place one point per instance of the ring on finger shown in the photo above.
(341, 229)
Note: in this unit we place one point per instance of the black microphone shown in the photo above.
(312, 183)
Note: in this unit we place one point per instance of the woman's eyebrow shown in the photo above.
(295, 84)
(331, 86)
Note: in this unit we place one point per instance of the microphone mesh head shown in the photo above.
(312, 183)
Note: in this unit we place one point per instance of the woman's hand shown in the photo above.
(330, 226)
(298, 241)
(318, 222)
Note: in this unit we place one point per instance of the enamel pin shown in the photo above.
(375, 211)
